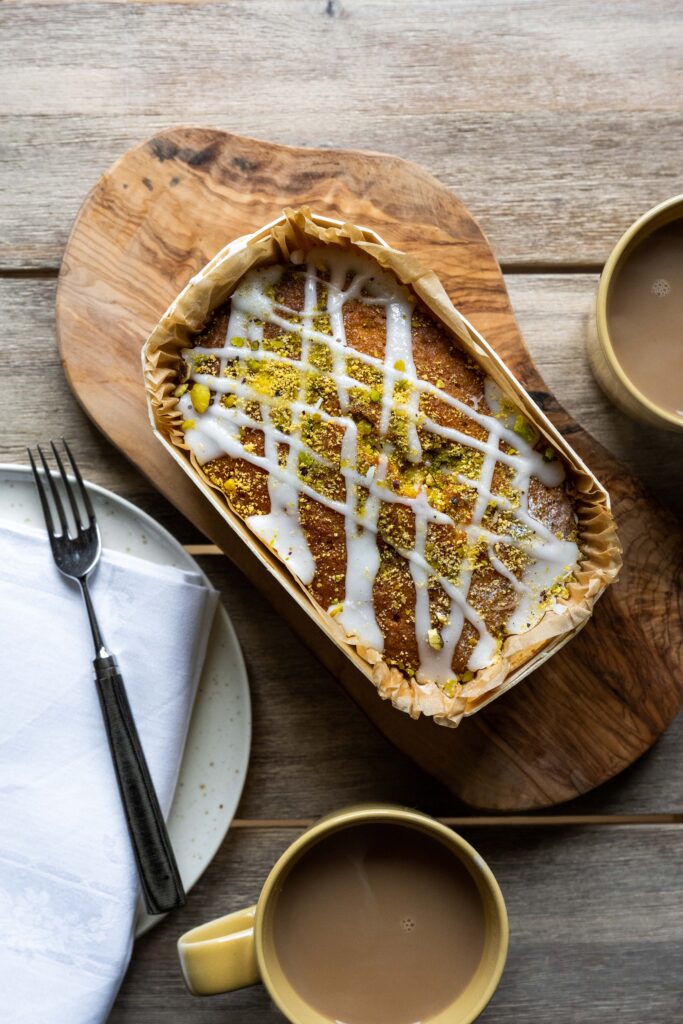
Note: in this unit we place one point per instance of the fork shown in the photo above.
(76, 556)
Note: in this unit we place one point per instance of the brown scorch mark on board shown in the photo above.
(245, 164)
(163, 149)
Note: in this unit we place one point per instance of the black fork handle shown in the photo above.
(157, 868)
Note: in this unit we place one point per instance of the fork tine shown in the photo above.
(84, 494)
(67, 487)
(55, 494)
(42, 495)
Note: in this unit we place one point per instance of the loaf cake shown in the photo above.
(406, 491)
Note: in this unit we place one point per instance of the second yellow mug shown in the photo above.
(239, 949)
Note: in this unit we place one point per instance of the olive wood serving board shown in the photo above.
(157, 216)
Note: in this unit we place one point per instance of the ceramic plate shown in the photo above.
(216, 754)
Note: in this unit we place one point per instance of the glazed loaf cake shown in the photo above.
(418, 504)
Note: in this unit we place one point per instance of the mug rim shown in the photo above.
(614, 260)
(409, 818)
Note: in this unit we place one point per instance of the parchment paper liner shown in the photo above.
(291, 236)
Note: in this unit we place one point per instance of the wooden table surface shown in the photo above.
(557, 123)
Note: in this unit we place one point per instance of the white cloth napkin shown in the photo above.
(68, 884)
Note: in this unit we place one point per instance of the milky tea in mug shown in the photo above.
(374, 915)
(645, 316)
(379, 924)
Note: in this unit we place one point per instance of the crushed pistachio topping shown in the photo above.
(206, 364)
(526, 429)
(434, 639)
(410, 445)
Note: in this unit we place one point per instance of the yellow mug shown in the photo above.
(238, 950)
(602, 356)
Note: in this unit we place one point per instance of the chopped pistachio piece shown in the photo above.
(434, 639)
(525, 429)
(201, 396)
(180, 391)
(450, 687)
(188, 425)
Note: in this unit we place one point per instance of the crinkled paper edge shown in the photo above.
(289, 238)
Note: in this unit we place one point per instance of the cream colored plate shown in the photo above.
(216, 755)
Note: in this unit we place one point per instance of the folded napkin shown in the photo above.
(68, 884)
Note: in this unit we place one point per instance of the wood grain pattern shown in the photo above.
(593, 708)
(557, 123)
(595, 928)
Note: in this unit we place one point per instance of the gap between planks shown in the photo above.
(493, 821)
(28, 273)
(509, 269)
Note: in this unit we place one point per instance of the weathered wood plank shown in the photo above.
(553, 313)
(313, 750)
(556, 123)
(582, 948)
(547, 189)
(463, 54)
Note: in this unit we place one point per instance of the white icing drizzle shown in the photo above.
(218, 430)
(281, 528)
(335, 309)
(399, 350)
(435, 663)
(357, 615)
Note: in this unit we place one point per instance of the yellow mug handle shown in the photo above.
(220, 956)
